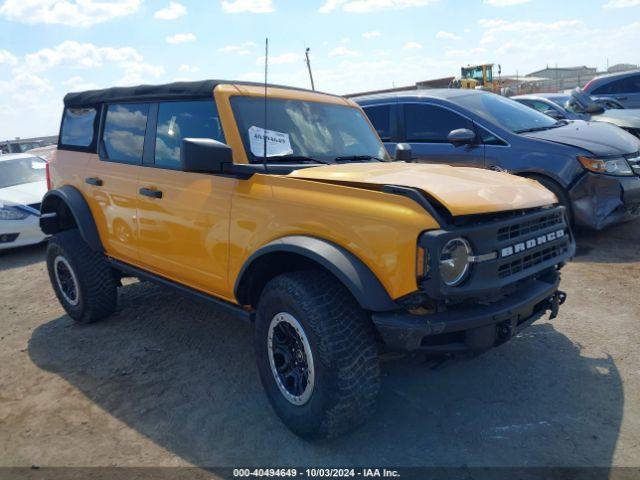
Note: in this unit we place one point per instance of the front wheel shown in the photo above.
(317, 354)
(561, 193)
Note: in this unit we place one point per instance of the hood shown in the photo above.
(462, 190)
(25, 194)
(622, 118)
(599, 138)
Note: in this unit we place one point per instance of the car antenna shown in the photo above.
(306, 54)
(264, 133)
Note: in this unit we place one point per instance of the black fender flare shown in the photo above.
(345, 266)
(79, 208)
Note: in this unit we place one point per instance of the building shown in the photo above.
(622, 67)
(565, 72)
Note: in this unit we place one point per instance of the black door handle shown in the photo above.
(93, 181)
(148, 192)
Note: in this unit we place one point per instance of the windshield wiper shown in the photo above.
(559, 123)
(297, 158)
(535, 129)
(358, 157)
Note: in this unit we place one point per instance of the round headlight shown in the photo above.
(454, 261)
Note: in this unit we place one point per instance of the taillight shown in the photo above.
(48, 174)
(586, 87)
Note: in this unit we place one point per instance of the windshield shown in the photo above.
(21, 170)
(560, 99)
(315, 131)
(506, 113)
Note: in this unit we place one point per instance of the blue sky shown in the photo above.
(50, 47)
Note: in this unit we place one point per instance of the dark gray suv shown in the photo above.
(593, 168)
(623, 87)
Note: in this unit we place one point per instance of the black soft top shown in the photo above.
(168, 91)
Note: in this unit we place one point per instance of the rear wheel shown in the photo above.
(317, 354)
(81, 278)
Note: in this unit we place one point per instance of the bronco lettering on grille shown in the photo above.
(531, 243)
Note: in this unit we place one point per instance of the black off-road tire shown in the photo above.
(97, 294)
(343, 346)
(561, 193)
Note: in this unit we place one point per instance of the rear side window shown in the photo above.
(380, 117)
(431, 124)
(124, 130)
(178, 120)
(78, 127)
(631, 84)
(624, 85)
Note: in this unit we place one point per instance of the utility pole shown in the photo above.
(306, 54)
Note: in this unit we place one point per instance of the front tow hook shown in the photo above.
(555, 301)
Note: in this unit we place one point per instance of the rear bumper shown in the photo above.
(600, 200)
(473, 328)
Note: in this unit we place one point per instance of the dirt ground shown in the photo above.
(166, 382)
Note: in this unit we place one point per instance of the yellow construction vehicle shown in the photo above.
(478, 77)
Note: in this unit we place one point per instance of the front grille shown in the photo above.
(510, 268)
(527, 227)
(507, 251)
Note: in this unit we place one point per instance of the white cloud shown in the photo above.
(504, 3)
(622, 3)
(442, 35)
(241, 49)
(372, 34)
(7, 57)
(173, 11)
(494, 27)
(72, 55)
(138, 72)
(80, 13)
(526, 46)
(247, 6)
(366, 6)
(342, 52)
(78, 83)
(281, 59)
(26, 84)
(184, 68)
(180, 38)
(470, 53)
(411, 46)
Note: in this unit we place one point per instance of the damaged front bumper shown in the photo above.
(600, 200)
(472, 328)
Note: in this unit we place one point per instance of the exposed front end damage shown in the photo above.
(599, 200)
(514, 280)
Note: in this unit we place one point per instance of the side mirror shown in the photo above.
(204, 155)
(461, 136)
(553, 113)
(403, 152)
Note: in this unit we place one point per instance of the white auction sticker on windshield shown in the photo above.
(278, 143)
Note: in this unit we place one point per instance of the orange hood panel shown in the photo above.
(462, 190)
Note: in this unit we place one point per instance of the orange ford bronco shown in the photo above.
(282, 205)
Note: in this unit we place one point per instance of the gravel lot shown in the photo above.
(166, 382)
